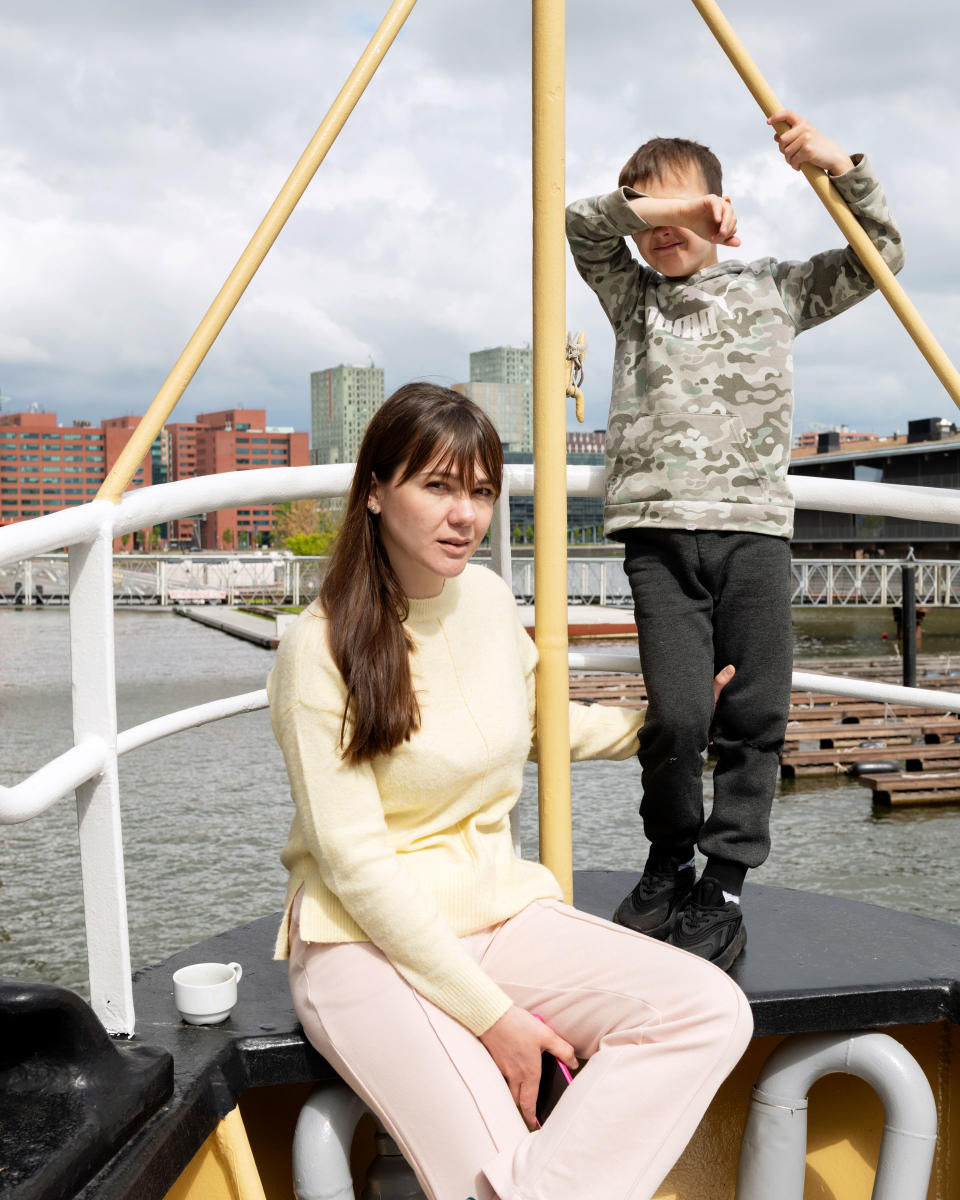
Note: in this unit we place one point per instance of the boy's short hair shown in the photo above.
(658, 156)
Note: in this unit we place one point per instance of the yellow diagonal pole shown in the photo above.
(247, 265)
(819, 180)
(550, 442)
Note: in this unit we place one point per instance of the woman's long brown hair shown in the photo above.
(420, 424)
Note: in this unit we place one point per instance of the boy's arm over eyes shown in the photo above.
(831, 282)
(596, 229)
(710, 217)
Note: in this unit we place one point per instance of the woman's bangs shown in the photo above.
(464, 448)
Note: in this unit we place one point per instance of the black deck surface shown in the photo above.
(812, 963)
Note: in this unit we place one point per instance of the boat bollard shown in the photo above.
(774, 1148)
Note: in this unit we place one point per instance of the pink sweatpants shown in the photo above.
(661, 1030)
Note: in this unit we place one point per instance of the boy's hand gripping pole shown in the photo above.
(819, 180)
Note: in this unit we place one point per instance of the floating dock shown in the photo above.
(262, 631)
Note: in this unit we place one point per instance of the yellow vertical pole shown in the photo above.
(819, 180)
(549, 440)
(249, 261)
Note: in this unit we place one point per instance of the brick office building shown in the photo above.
(235, 439)
(45, 467)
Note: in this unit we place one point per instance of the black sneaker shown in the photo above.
(652, 906)
(709, 926)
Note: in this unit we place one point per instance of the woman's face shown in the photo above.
(431, 524)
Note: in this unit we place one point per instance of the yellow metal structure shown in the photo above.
(844, 1130)
(223, 1167)
(819, 180)
(550, 441)
(247, 265)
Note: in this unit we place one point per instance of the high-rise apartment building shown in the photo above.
(342, 401)
(502, 364)
(505, 392)
(506, 406)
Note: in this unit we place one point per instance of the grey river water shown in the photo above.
(205, 813)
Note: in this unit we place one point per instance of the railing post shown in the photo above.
(28, 582)
(500, 552)
(296, 581)
(164, 565)
(98, 801)
(908, 610)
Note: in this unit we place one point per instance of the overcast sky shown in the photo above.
(141, 144)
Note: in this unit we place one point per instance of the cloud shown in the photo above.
(151, 139)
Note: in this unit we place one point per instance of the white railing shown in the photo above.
(266, 577)
(143, 579)
(90, 766)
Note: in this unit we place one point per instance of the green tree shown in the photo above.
(227, 537)
(304, 527)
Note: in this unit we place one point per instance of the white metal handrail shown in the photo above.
(54, 780)
(190, 718)
(90, 766)
(145, 507)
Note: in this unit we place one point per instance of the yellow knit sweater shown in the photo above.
(413, 850)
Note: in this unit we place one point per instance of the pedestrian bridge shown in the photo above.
(272, 578)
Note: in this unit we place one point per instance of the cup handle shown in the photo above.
(237, 970)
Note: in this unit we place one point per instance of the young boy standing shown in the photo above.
(698, 446)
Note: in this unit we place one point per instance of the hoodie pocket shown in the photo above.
(686, 456)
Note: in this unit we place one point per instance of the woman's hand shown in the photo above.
(515, 1043)
(721, 679)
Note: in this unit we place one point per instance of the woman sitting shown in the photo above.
(420, 946)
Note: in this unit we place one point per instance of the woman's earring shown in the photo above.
(373, 506)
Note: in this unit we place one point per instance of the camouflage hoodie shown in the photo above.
(699, 430)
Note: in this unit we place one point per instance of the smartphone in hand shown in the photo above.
(554, 1078)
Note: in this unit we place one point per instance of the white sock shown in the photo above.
(730, 897)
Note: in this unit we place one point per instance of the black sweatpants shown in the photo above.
(703, 600)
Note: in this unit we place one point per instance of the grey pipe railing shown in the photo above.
(774, 1148)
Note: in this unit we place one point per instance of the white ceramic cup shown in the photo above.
(204, 993)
